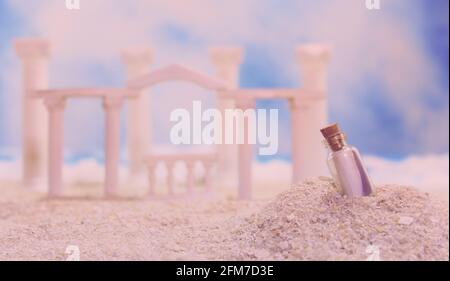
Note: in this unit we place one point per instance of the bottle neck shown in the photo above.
(337, 142)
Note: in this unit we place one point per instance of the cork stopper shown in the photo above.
(334, 136)
(330, 131)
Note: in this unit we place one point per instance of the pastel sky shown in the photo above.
(388, 79)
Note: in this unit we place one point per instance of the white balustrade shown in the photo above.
(190, 161)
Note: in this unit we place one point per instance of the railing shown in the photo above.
(190, 160)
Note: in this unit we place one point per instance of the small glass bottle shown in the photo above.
(345, 164)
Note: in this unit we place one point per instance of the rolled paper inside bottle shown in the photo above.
(367, 186)
(348, 173)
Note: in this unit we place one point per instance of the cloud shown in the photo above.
(377, 55)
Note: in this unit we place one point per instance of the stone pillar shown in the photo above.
(151, 179)
(55, 107)
(209, 184)
(34, 54)
(139, 135)
(226, 61)
(310, 115)
(190, 177)
(245, 154)
(170, 165)
(112, 106)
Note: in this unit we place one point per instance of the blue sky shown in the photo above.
(385, 116)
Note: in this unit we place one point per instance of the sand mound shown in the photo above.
(308, 222)
(313, 222)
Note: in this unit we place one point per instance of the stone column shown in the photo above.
(34, 54)
(190, 177)
(112, 106)
(310, 115)
(137, 63)
(151, 179)
(209, 184)
(55, 107)
(226, 61)
(170, 165)
(245, 154)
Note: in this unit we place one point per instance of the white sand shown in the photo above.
(314, 222)
(309, 222)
